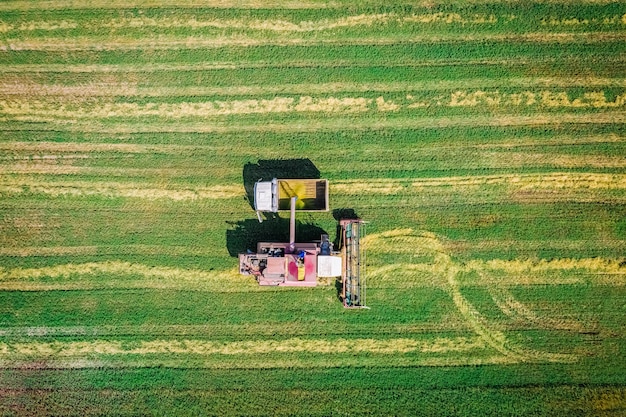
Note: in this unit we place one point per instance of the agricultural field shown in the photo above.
(483, 141)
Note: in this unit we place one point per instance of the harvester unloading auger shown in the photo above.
(301, 264)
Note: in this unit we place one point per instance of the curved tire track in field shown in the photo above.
(444, 266)
(510, 306)
(494, 338)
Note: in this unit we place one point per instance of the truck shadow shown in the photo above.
(266, 169)
(243, 235)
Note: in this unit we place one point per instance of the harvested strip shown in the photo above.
(256, 347)
(615, 245)
(568, 180)
(548, 99)
(616, 59)
(188, 109)
(64, 168)
(277, 25)
(594, 271)
(272, 25)
(528, 266)
(112, 189)
(164, 43)
(68, 270)
(134, 89)
(309, 124)
(22, 5)
(414, 275)
(258, 329)
(256, 362)
(49, 110)
(40, 25)
(105, 250)
(404, 240)
(509, 159)
(358, 187)
(133, 148)
(89, 276)
(535, 142)
(592, 181)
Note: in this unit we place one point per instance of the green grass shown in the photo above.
(482, 141)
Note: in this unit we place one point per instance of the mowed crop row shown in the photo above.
(482, 141)
(210, 27)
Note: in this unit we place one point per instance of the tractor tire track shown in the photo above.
(444, 266)
(510, 306)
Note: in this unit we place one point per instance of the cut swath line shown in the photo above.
(125, 89)
(112, 189)
(33, 151)
(553, 180)
(116, 275)
(277, 25)
(52, 44)
(227, 362)
(520, 267)
(267, 25)
(357, 187)
(312, 125)
(392, 346)
(122, 148)
(220, 330)
(511, 182)
(45, 108)
(215, 108)
(136, 249)
(21, 5)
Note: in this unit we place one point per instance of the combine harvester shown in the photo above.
(301, 264)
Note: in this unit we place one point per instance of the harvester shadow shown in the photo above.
(244, 235)
(266, 169)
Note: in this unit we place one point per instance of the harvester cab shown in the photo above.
(301, 264)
